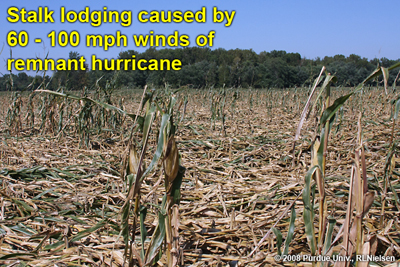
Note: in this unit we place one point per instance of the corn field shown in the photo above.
(210, 177)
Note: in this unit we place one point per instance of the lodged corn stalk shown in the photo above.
(165, 238)
(13, 118)
(103, 116)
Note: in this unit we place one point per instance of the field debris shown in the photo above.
(61, 192)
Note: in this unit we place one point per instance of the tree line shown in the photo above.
(205, 68)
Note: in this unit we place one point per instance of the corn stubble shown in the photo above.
(82, 175)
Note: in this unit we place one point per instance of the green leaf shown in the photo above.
(320, 152)
(278, 235)
(23, 229)
(308, 213)
(16, 255)
(176, 185)
(321, 149)
(45, 192)
(143, 230)
(125, 223)
(330, 111)
(160, 146)
(172, 102)
(148, 97)
(148, 121)
(329, 234)
(23, 205)
(396, 110)
(88, 231)
(394, 66)
(290, 231)
(130, 179)
(54, 245)
(156, 239)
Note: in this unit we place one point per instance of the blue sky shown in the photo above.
(312, 28)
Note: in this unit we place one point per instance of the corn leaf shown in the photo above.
(329, 234)
(278, 235)
(88, 231)
(16, 255)
(54, 245)
(308, 213)
(143, 231)
(156, 239)
(160, 145)
(330, 111)
(396, 110)
(148, 121)
(125, 223)
(290, 233)
(304, 113)
(176, 185)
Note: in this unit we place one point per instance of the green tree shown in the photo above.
(75, 79)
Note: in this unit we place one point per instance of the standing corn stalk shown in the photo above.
(359, 196)
(168, 214)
